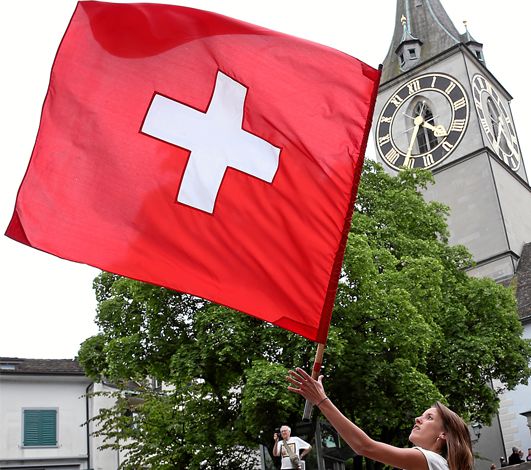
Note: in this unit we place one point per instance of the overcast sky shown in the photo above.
(47, 305)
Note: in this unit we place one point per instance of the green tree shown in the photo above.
(409, 327)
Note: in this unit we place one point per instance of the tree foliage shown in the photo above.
(409, 327)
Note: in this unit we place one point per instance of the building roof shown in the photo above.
(21, 366)
(428, 21)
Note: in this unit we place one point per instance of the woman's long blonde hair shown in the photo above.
(458, 449)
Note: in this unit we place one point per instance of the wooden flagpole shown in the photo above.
(317, 363)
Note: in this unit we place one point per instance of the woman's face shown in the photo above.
(428, 431)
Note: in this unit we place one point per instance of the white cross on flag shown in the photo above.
(215, 139)
(200, 153)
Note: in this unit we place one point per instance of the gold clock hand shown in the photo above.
(438, 131)
(418, 122)
(432, 118)
(498, 134)
(501, 130)
(510, 144)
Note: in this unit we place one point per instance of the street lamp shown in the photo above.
(476, 427)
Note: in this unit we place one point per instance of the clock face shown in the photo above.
(496, 122)
(422, 122)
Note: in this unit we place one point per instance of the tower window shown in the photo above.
(493, 115)
(402, 61)
(426, 140)
(412, 53)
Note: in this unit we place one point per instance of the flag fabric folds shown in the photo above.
(203, 154)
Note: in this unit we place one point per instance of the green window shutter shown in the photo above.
(40, 428)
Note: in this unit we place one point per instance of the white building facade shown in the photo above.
(44, 410)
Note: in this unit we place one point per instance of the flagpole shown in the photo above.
(317, 363)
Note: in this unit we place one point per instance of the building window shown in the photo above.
(426, 140)
(412, 53)
(494, 116)
(39, 428)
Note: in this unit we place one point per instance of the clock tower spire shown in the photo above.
(427, 21)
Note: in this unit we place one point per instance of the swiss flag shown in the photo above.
(200, 153)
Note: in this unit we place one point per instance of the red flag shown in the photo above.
(200, 153)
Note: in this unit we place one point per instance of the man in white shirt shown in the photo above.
(289, 449)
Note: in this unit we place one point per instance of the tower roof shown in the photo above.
(428, 21)
(406, 31)
(466, 37)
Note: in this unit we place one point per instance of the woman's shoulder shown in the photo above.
(435, 461)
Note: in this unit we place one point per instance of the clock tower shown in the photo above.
(439, 107)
